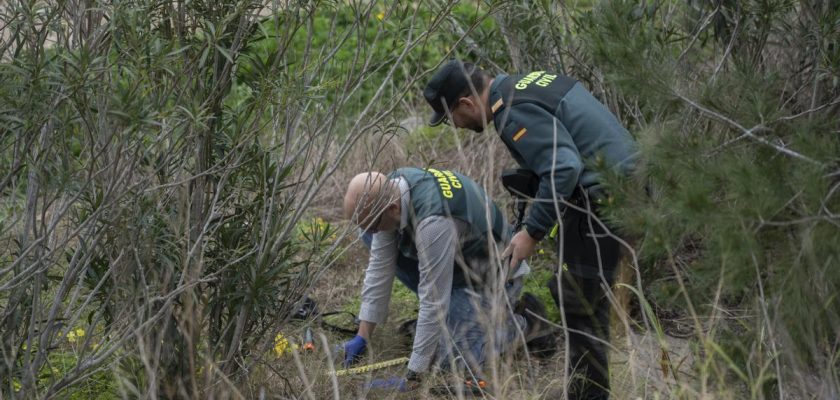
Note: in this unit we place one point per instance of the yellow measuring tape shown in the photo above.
(371, 367)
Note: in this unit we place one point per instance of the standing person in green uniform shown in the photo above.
(436, 231)
(555, 128)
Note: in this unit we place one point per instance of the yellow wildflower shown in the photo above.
(380, 16)
(75, 334)
(281, 345)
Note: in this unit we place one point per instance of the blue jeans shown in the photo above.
(480, 326)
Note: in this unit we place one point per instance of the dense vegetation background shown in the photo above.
(170, 172)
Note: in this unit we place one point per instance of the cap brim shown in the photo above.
(437, 118)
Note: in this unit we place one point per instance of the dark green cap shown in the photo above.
(446, 85)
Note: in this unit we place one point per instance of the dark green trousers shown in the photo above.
(592, 257)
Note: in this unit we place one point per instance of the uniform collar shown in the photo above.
(496, 82)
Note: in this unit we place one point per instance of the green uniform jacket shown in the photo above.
(554, 127)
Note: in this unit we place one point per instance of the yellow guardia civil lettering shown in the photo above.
(453, 180)
(446, 180)
(545, 80)
(527, 79)
(540, 77)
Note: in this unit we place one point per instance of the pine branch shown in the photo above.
(700, 30)
(809, 111)
(747, 133)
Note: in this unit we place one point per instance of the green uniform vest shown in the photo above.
(447, 193)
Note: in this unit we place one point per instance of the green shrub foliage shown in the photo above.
(733, 211)
(158, 158)
(735, 105)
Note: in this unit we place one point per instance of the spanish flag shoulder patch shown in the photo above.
(497, 105)
(518, 135)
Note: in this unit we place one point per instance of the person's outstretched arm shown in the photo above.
(376, 293)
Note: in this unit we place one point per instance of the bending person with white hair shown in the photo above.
(439, 233)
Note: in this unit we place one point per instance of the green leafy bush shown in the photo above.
(162, 159)
(734, 197)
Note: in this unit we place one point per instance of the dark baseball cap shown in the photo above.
(445, 87)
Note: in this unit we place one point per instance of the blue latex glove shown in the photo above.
(394, 383)
(353, 350)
